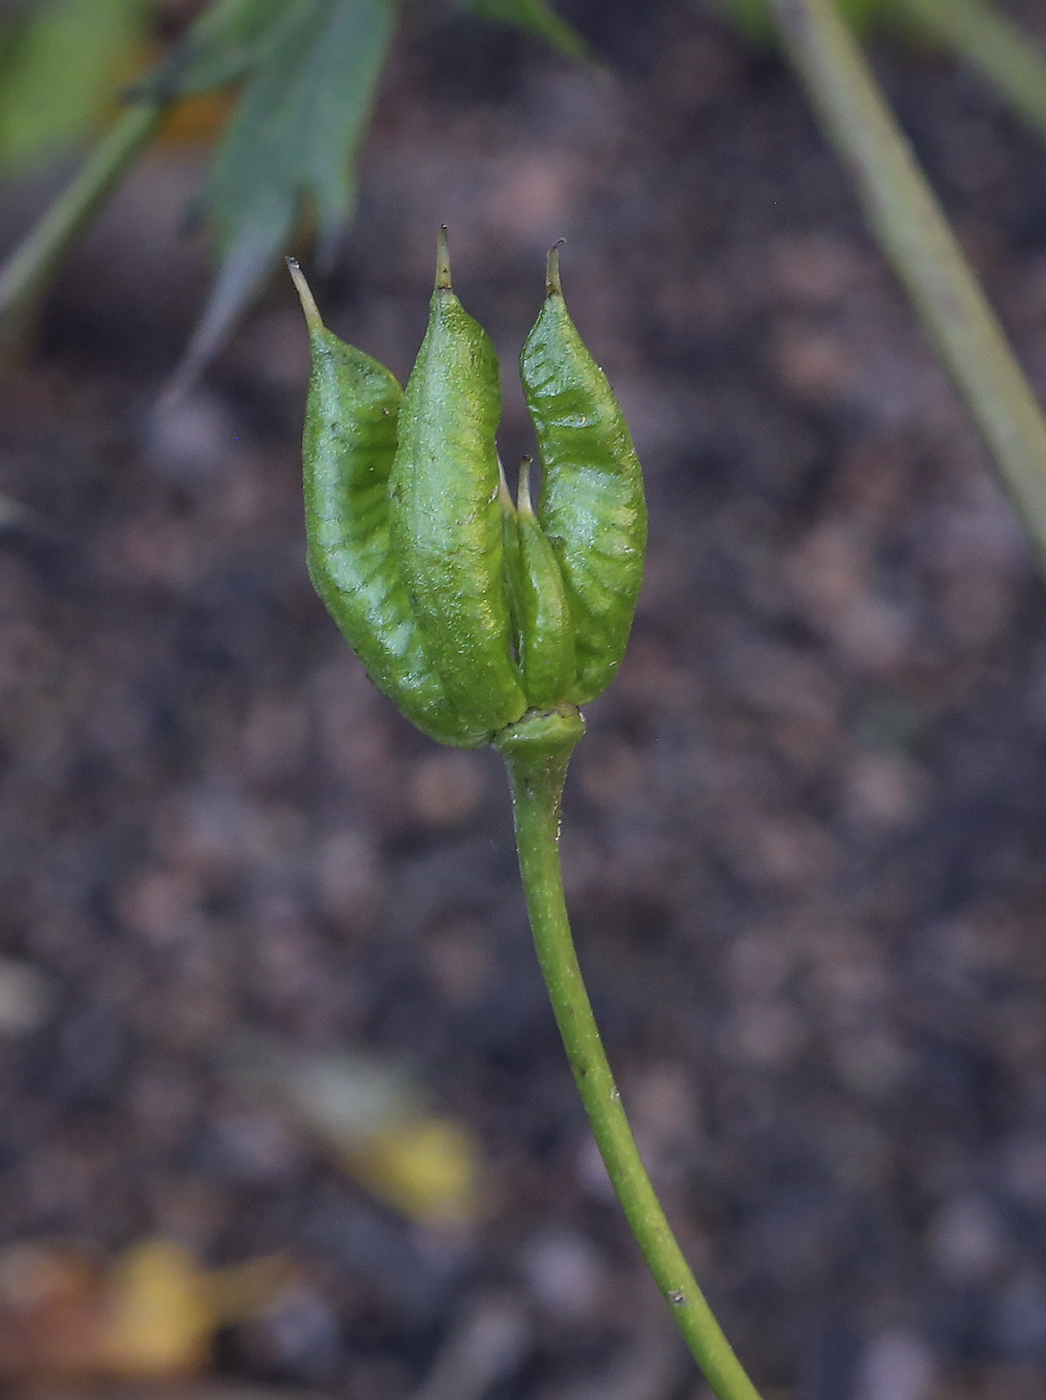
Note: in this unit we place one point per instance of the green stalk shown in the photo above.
(30, 265)
(989, 42)
(537, 752)
(908, 222)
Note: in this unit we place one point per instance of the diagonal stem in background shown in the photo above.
(33, 262)
(909, 224)
(991, 43)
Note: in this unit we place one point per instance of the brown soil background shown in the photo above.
(804, 839)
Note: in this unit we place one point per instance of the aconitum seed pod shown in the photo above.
(444, 514)
(546, 643)
(348, 448)
(593, 509)
(469, 612)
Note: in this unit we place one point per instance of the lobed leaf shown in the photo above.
(220, 47)
(313, 68)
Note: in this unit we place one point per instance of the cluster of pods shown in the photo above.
(468, 610)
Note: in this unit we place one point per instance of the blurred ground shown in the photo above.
(803, 840)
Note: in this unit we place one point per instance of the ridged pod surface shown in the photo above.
(593, 510)
(546, 647)
(348, 447)
(444, 515)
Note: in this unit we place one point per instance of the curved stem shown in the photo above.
(989, 41)
(909, 224)
(537, 766)
(28, 267)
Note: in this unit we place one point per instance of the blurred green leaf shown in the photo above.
(61, 63)
(223, 44)
(534, 17)
(313, 68)
(753, 16)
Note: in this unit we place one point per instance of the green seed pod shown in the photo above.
(547, 652)
(513, 559)
(464, 608)
(444, 516)
(347, 452)
(593, 510)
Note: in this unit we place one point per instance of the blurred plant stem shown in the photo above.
(536, 777)
(911, 227)
(29, 267)
(993, 45)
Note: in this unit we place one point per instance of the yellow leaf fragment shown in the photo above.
(150, 1315)
(158, 1320)
(374, 1120)
(429, 1168)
